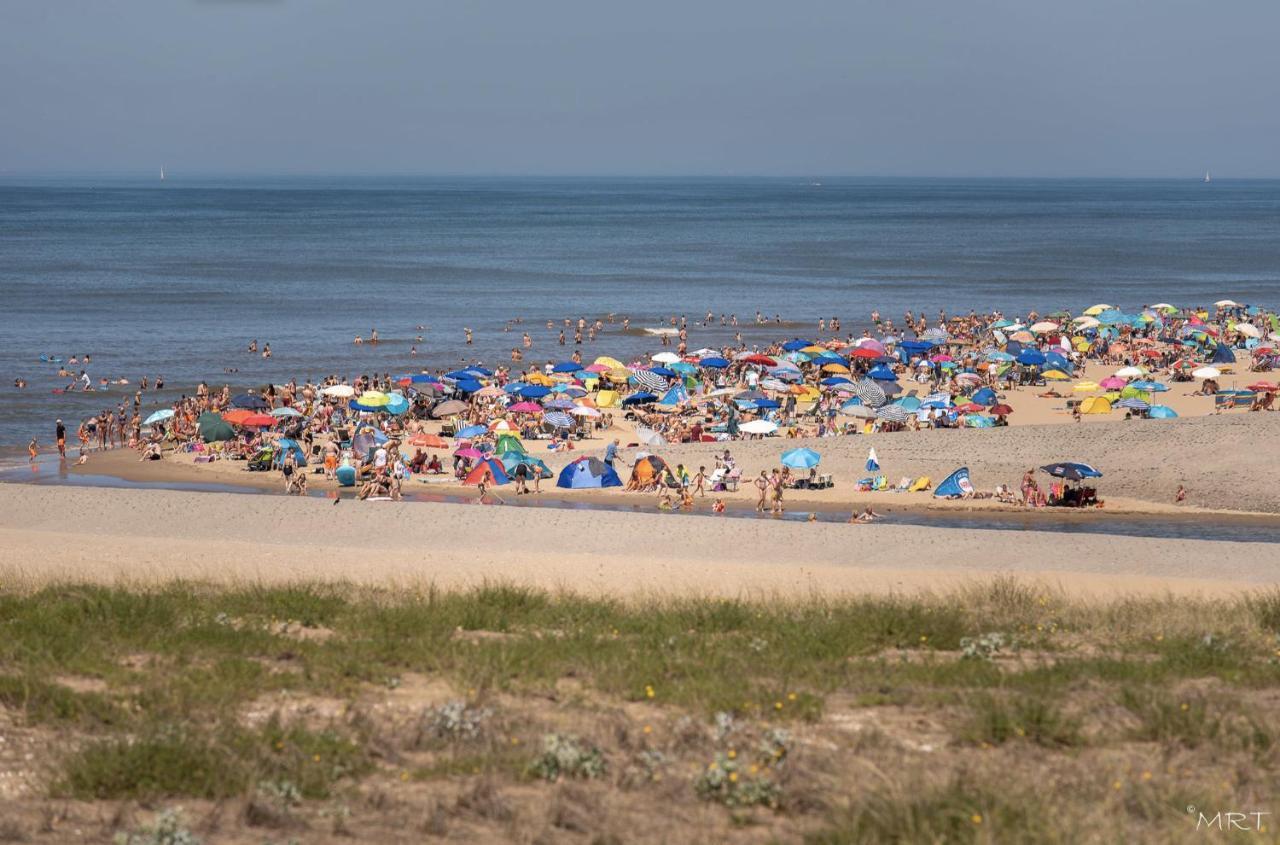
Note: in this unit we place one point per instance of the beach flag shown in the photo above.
(873, 465)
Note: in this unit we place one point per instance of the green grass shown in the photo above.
(42, 702)
(995, 721)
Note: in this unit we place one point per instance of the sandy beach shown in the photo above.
(147, 536)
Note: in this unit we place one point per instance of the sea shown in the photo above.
(174, 278)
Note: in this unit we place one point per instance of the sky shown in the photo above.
(697, 87)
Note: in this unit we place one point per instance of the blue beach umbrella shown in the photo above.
(159, 416)
(471, 431)
(715, 362)
(1162, 412)
(1070, 470)
(801, 458)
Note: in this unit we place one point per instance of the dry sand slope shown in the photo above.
(109, 535)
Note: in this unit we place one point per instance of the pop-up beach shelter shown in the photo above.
(588, 473)
(956, 484)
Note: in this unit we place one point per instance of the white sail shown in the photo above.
(1206, 176)
(162, 173)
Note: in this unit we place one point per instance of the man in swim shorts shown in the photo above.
(60, 432)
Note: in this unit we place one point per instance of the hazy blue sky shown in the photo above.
(891, 87)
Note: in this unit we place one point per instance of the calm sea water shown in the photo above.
(175, 278)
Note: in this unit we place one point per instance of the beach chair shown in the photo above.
(921, 483)
(880, 484)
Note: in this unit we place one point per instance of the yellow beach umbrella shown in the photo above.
(373, 398)
(834, 368)
(539, 378)
(815, 349)
(1080, 343)
(611, 363)
(1056, 375)
(1097, 309)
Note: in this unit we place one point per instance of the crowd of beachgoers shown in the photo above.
(478, 423)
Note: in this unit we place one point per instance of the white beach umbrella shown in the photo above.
(1226, 303)
(649, 437)
(1248, 330)
(1129, 372)
(584, 411)
(1044, 326)
(666, 358)
(1206, 372)
(339, 391)
(759, 427)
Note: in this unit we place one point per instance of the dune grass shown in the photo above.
(147, 690)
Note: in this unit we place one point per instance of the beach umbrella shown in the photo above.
(1130, 372)
(1133, 403)
(159, 416)
(430, 441)
(559, 404)
(1226, 303)
(762, 360)
(525, 408)
(396, 404)
(642, 398)
(1001, 410)
(1206, 372)
(1055, 375)
(533, 391)
(801, 458)
(861, 411)
(339, 391)
(649, 437)
(213, 428)
(935, 336)
(870, 393)
(1162, 412)
(1149, 386)
(893, 413)
(566, 367)
(665, 358)
(715, 361)
(469, 452)
(286, 412)
(374, 399)
(558, 419)
(880, 373)
(793, 345)
(1071, 471)
(1112, 383)
(1264, 387)
(1031, 357)
(471, 431)
(649, 380)
(1044, 326)
(249, 402)
(759, 427)
(583, 411)
(490, 392)
(258, 420)
(449, 408)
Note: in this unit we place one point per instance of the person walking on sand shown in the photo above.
(762, 487)
(611, 453)
(700, 482)
(776, 485)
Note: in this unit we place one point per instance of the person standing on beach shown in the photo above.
(762, 485)
(60, 434)
(33, 449)
(611, 453)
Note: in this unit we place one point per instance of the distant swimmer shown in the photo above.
(373, 336)
(253, 346)
(467, 332)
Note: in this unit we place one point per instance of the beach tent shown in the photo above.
(1095, 405)
(1162, 412)
(511, 460)
(606, 399)
(214, 428)
(490, 471)
(283, 446)
(508, 443)
(647, 470)
(985, 396)
(1223, 355)
(956, 484)
(588, 473)
(675, 396)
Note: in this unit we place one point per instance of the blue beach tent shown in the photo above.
(956, 484)
(588, 473)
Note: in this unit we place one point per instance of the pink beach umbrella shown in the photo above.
(526, 408)
(469, 453)
(1112, 383)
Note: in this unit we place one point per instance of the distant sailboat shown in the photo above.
(1206, 177)
(162, 174)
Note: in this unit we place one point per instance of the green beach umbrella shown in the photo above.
(214, 428)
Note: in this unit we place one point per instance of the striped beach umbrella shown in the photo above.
(1134, 404)
(870, 393)
(935, 335)
(650, 381)
(559, 419)
(893, 413)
